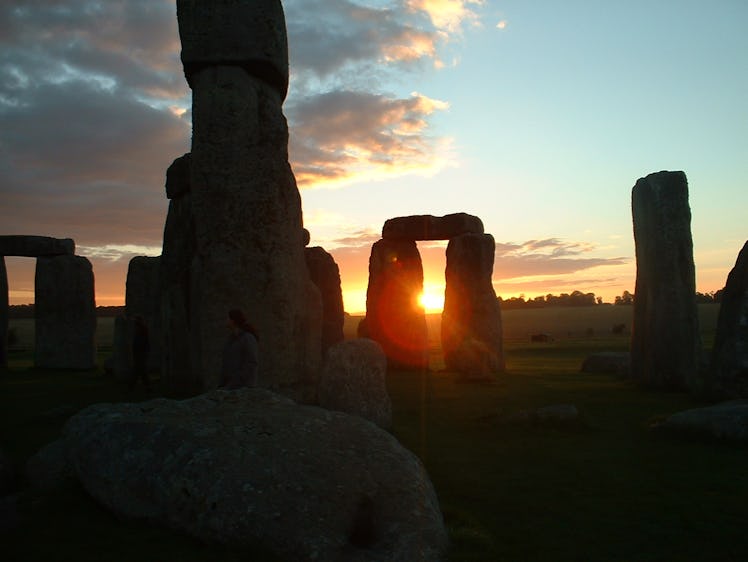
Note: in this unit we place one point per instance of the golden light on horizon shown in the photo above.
(432, 302)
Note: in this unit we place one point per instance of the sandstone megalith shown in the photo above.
(325, 274)
(65, 313)
(394, 317)
(665, 339)
(35, 246)
(143, 298)
(3, 314)
(429, 227)
(728, 374)
(471, 321)
(245, 208)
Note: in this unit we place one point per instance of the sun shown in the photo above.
(432, 302)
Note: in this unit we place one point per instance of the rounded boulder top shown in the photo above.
(248, 33)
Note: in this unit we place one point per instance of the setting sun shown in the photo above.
(432, 302)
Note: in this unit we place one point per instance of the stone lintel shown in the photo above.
(35, 246)
(429, 227)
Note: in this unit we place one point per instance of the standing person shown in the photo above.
(140, 348)
(240, 353)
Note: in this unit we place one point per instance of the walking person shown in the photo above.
(240, 354)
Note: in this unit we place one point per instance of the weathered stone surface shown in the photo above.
(179, 365)
(35, 246)
(394, 317)
(178, 177)
(471, 321)
(611, 362)
(248, 35)
(49, 467)
(249, 251)
(65, 312)
(325, 274)
(307, 236)
(728, 375)
(665, 340)
(429, 227)
(354, 381)
(726, 421)
(251, 466)
(3, 314)
(143, 298)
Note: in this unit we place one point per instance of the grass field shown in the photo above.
(604, 489)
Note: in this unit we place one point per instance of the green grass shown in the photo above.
(606, 489)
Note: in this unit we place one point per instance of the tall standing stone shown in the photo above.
(245, 206)
(394, 317)
(176, 259)
(143, 298)
(728, 376)
(325, 275)
(3, 314)
(471, 321)
(65, 312)
(665, 339)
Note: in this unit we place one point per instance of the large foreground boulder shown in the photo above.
(250, 466)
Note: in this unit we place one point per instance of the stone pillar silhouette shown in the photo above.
(245, 206)
(665, 339)
(4, 311)
(65, 312)
(143, 298)
(325, 275)
(394, 317)
(728, 373)
(471, 321)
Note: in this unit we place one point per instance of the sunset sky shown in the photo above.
(537, 116)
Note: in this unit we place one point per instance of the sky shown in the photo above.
(538, 116)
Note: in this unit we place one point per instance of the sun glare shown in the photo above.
(432, 302)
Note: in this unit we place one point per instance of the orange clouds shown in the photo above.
(448, 15)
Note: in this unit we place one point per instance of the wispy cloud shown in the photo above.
(345, 135)
(448, 15)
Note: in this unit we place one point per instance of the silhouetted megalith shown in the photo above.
(246, 208)
(325, 274)
(665, 339)
(143, 298)
(471, 321)
(65, 312)
(176, 258)
(3, 314)
(35, 246)
(429, 227)
(354, 381)
(249, 35)
(394, 317)
(728, 375)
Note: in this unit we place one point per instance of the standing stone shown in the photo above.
(394, 317)
(3, 314)
(325, 275)
(176, 258)
(665, 340)
(354, 381)
(143, 298)
(65, 313)
(121, 360)
(729, 366)
(471, 321)
(246, 208)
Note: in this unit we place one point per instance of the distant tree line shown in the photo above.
(578, 298)
(27, 311)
